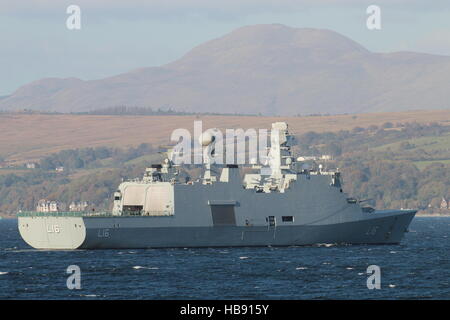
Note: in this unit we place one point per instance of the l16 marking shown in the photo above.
(53, 228)
(103, 233)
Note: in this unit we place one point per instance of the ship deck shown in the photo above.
(64, 214)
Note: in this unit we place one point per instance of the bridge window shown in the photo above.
(272, 221)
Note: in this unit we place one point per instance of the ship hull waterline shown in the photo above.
(68, 233)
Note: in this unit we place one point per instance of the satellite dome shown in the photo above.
(207, 137)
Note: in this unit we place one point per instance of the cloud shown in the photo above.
(155, 8)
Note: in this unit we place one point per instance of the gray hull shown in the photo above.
(313, 210)
(131, 232)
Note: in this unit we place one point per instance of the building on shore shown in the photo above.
(78, 206)
(445, 204)
(31, 165)
(49, 206)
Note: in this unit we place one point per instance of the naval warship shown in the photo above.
(282, 204)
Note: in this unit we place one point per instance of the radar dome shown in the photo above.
(206, 138)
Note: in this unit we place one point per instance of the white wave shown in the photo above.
(242, 258)
(301, 268)
(327, 245)
(141, 267)
(3, 272)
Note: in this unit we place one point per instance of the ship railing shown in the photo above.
(63, 214)
(322, 173)
(147, 213)
(92, 214)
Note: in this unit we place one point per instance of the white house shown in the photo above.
(31, 165)
(78, 206)
(445, 204)
(48, 206)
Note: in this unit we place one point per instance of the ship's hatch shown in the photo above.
(223, 215)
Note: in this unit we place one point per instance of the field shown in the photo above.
(428, 144)
(423, 164)
(26, 137)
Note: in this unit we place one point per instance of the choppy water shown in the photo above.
(418, 268)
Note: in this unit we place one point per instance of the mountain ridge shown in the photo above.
(267, 69)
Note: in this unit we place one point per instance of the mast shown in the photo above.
(279, 157)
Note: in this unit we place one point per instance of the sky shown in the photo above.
(119, 36)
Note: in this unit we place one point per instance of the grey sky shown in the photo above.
(118, 36)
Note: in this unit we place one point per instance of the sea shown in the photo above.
(418, 268)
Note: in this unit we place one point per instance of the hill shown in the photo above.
(27, 137)
(267, 69)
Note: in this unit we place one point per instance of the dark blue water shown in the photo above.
(419, 268)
